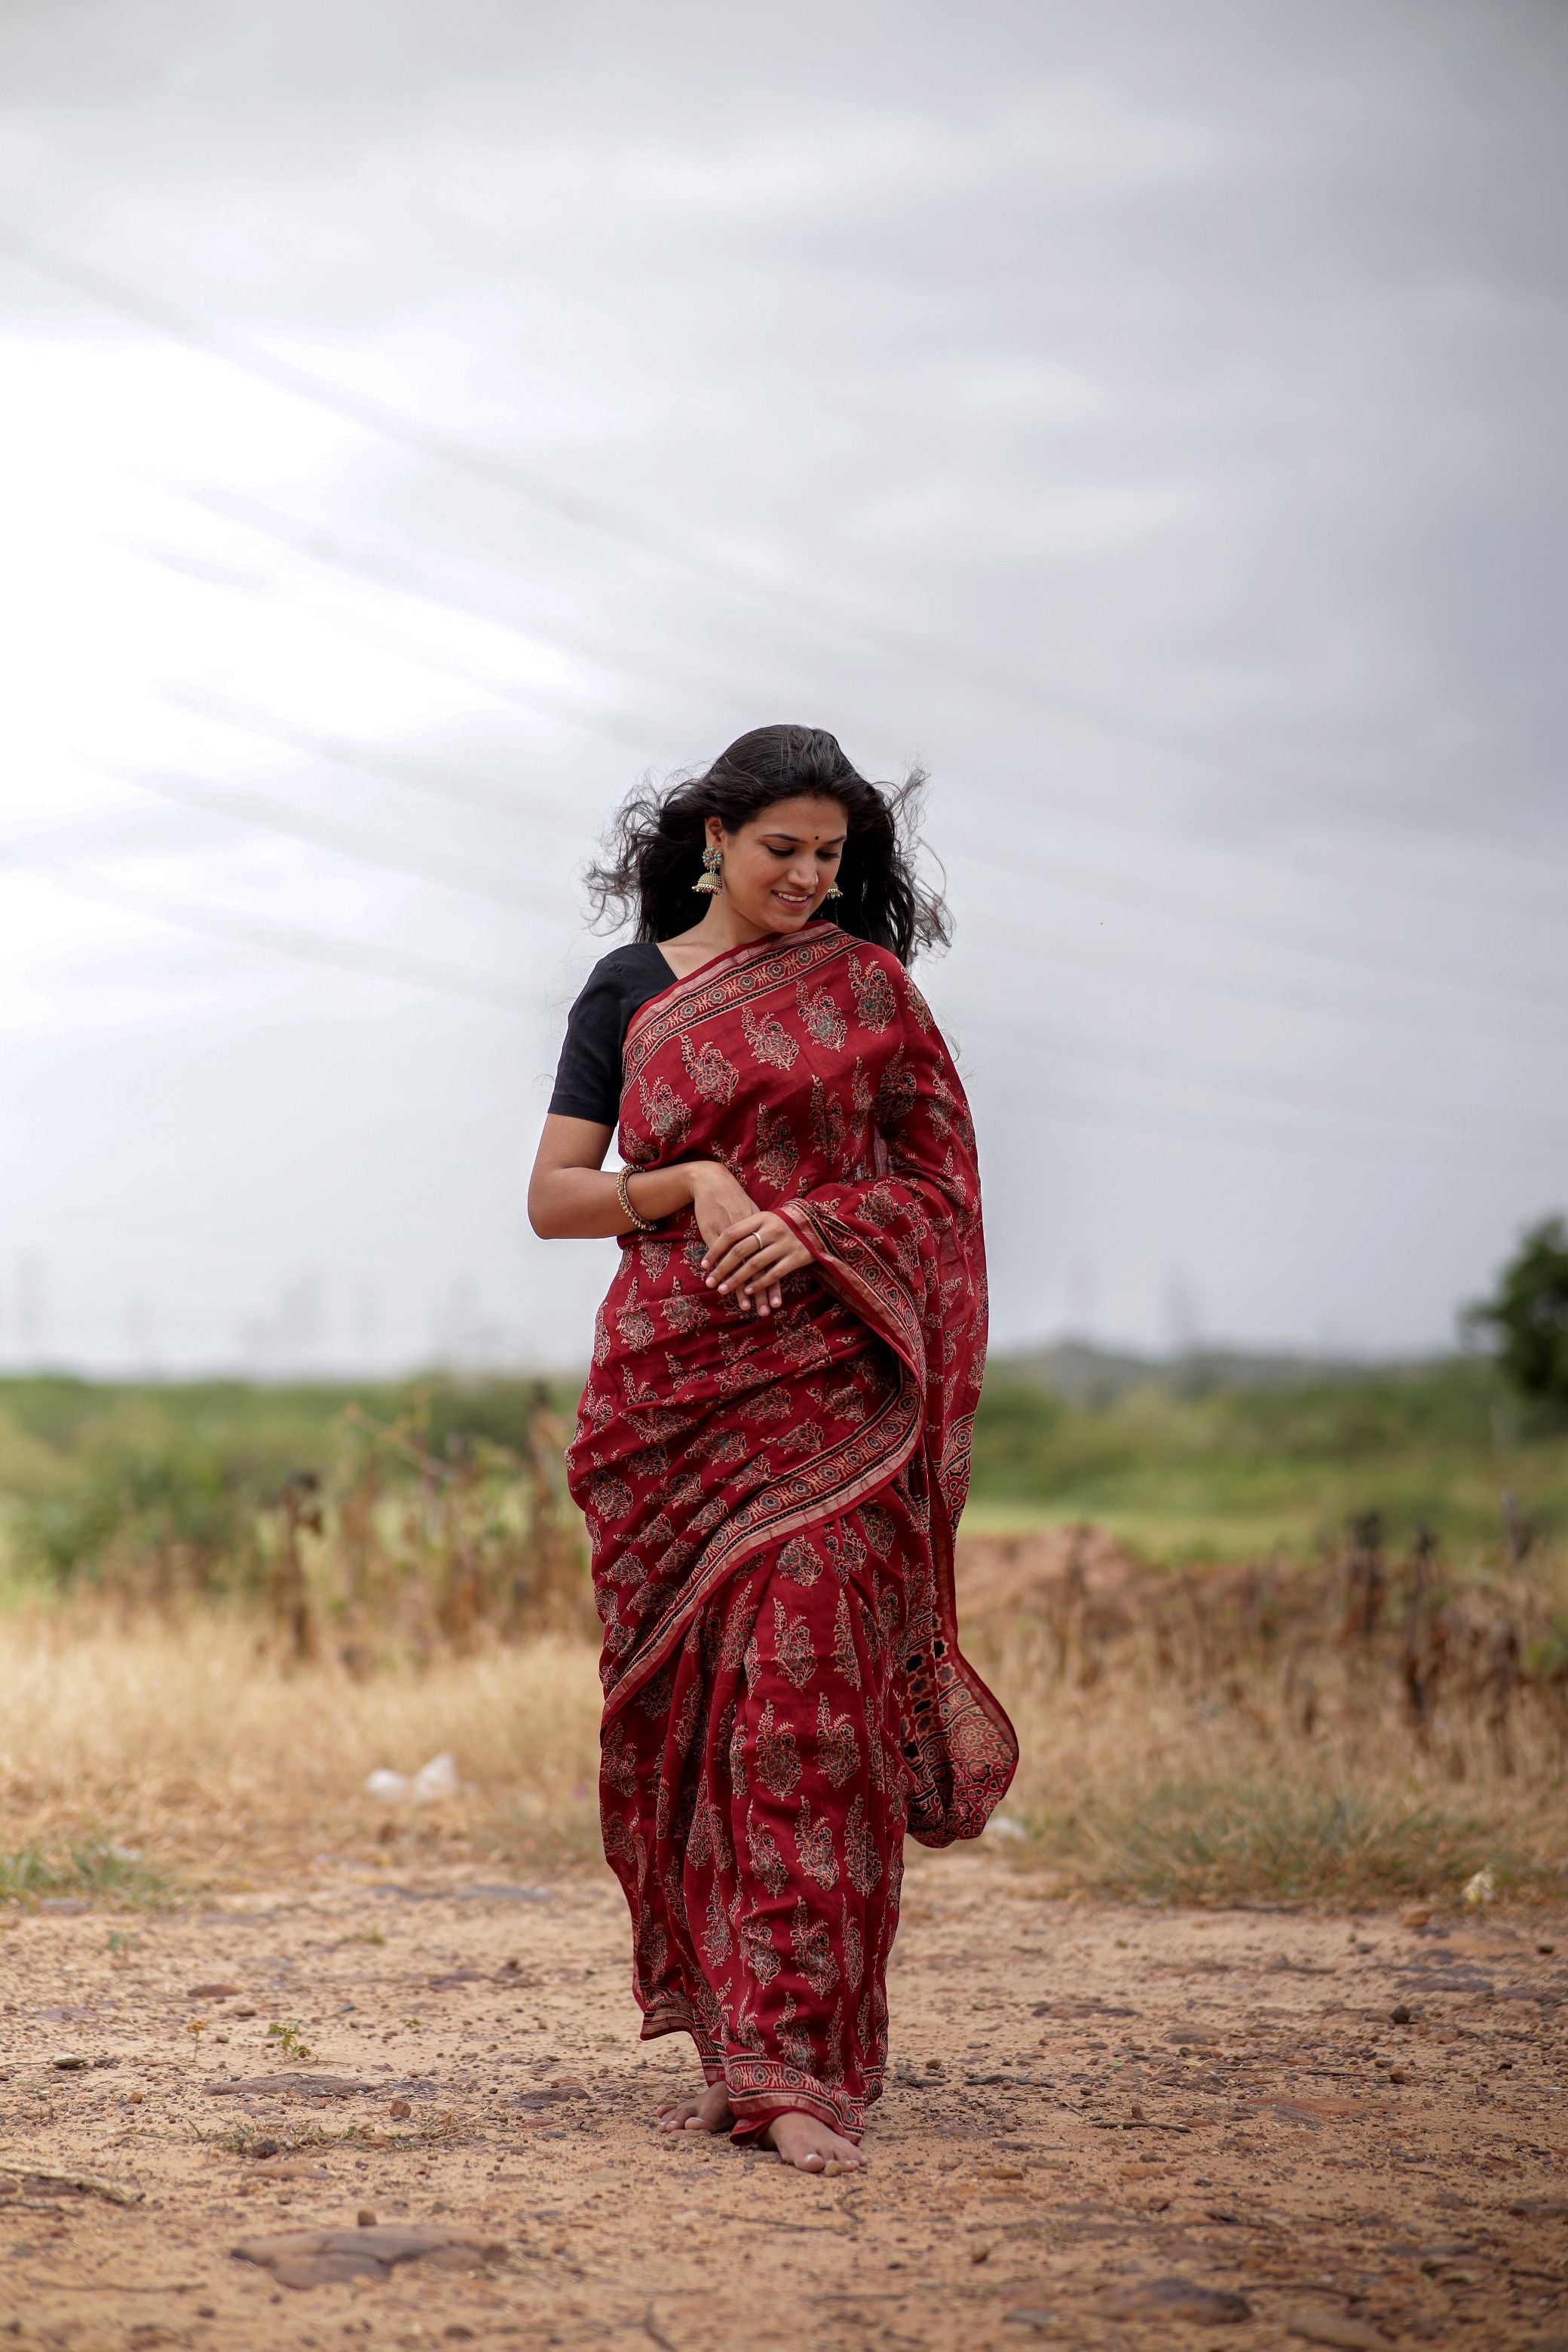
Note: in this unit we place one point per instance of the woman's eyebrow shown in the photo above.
(796, 840)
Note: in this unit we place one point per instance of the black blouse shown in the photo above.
(588, 1076)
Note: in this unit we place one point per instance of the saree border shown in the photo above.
(811, 1495)
(762, 963)
(760, 2089)
(870, 1287)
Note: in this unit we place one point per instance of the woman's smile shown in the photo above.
(797, 1207)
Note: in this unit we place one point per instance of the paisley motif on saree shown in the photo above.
(771, 1505)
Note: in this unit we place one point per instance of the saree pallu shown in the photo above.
(772, 1504)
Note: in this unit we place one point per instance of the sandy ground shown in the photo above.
(1134, 2127)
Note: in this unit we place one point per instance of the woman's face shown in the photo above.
(779, 867)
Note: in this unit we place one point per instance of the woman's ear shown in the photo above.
(713, 827)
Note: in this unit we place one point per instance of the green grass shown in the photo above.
(93, 1869)
(180, 1470)
(1224, 1841)
(1240, 1472)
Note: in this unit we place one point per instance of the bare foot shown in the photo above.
(710, 2113)
(811, 2147)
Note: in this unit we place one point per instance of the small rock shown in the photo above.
(1400, 2013)
(1028, 2315)
(1480, 1889)
(308, 2086)
(1547, 1949)
(980, 2254)
(1333, 2327)
(549, 2096)
(1177, 2298)
(400, 2111)
(364, 2219)
(70, 2064)
(206, 2311)
(1418, 1916)
(1397, 2074)
(212, 1992)
(264, 2148)
(308, 2258)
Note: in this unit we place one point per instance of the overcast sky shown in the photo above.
(418, 420)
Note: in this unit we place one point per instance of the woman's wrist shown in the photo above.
(640, 1223)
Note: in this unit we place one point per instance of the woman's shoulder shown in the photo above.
(629, 968)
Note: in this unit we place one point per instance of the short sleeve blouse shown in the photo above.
(588, 1076)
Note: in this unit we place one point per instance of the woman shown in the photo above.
(773, 1447)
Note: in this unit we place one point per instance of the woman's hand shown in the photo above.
(752, 1256)
(723, 1208)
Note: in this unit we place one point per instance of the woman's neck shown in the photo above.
(721, 932)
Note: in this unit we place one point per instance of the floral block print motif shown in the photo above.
(754, 1813)
(813, 1464)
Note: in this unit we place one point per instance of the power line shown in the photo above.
(1272, 931)
(1003, 930)
(330, 552)
(345, 840)
(1237, 1083)
(297, 943)
(344, 752)
(822, 614)
(304, 946)
(1135, 894)
(1291, 1143)
(121, 828)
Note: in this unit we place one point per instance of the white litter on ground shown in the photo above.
(432, 1782)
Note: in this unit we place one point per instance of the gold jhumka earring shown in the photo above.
(712, 866)
(832, 891)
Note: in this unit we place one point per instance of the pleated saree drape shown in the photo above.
(771, 1505)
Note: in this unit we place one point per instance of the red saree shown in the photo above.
(771, 1505)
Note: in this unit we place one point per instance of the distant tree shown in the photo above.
(1529, 1313)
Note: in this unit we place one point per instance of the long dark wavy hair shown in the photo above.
(653, 852)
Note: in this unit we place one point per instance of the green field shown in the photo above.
(1185, 1470)
(1180, 1466)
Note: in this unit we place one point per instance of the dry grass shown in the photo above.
(1360, 1732)
(193, 1742)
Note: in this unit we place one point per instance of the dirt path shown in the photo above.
(1087, 2105)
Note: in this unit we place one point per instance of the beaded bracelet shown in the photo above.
(643, 1225)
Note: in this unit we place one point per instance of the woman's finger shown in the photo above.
(767, 1267)
(738, 1257)
(748, 1270)
(732, 1232)
(730, 1260)
(760, 1266)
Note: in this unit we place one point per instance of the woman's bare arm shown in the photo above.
(570, 1197)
